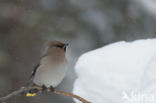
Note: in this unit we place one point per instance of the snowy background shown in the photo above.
(85, 24)
(121, 72)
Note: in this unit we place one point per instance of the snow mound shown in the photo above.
(122, 72)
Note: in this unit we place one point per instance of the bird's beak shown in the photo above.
(65, 45)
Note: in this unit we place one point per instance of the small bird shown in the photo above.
(52, 67)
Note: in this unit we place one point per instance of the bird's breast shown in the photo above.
(50, 74)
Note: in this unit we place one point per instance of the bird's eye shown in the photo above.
(59, 46)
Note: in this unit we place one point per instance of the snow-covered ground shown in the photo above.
(122, 72)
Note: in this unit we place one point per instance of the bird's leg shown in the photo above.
(33, 90)
(44, 88)
(39, 88)
(52, 88)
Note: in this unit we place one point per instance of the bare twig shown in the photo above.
(21, 90)
(71, 95)
(24, 89)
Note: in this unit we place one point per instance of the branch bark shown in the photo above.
(21, 90)
(25, 89)
(71, 95)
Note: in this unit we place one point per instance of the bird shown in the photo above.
(52, 67)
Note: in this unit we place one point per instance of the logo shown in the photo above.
(138, 97)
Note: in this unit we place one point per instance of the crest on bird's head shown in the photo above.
(56, 43)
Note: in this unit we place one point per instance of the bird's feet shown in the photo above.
(44, 88)
(33, 90)
(52, 88)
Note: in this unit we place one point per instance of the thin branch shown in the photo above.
(71, 95)
(21, 90)
(25, 89)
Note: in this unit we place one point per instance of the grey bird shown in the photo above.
(52, 67)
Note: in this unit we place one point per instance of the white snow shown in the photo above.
(122, 72)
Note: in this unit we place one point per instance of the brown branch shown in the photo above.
(24, 89)
(21, 90)
(71, 95)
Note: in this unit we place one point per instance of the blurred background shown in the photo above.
(86, 24)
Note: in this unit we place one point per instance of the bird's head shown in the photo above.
(56, 44)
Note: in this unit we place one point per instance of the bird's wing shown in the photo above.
(34, 71)
(32, 75)
(35, 68)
